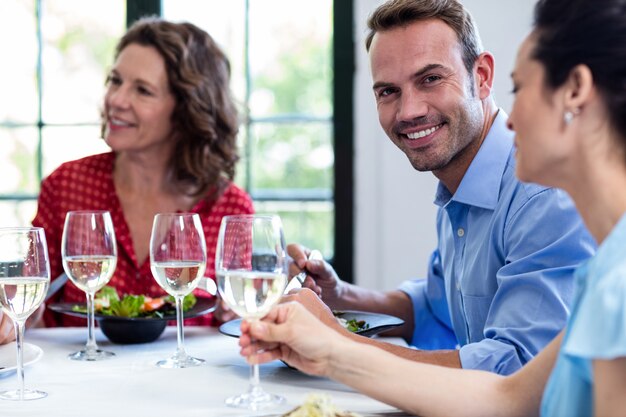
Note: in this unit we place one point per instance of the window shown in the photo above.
(282, 76)
(51, 91)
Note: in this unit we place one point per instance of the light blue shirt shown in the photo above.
(500, 282)
(596, 330)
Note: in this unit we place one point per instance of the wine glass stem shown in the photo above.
(91, 340)
(254, 377)
(19, 343)
(180, 350)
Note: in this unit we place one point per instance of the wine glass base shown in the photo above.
(175, 362)
(26, 395)
(90, 355)
(255, 400)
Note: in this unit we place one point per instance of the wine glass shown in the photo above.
(251, 269)
(178, 261)
(89, 253)
(24, 280)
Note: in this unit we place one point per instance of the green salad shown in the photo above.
(352, 325)
(108, 303)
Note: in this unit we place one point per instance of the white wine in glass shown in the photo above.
(251, 269)
(178, 278)
(178, 261)
(24, 280)
(251, 294)
(89, 252)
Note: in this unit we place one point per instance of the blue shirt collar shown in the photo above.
(480, 185)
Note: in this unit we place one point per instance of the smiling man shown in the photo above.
(500, 281)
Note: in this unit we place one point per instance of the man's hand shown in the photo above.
(291, 333)
(321, 277)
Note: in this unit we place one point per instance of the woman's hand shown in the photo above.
(291, 333)
(7, 329)
(223, 313)
(314, 305)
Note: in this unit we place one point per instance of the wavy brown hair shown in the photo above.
(205, 119)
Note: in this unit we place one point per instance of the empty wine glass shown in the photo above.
(178, 261)
(89, 253)
(251, 269)
(24, 280)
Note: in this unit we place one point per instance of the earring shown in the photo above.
(568, 116)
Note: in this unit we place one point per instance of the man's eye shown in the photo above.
(386, 92)
(431, 79)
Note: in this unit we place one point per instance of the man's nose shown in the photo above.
(412, 106)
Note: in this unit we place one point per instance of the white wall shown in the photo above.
(395, 215)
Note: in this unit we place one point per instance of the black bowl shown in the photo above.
(128, 331)
(125, 330)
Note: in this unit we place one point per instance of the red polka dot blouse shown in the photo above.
(87, 184)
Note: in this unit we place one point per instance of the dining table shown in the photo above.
(130, 384)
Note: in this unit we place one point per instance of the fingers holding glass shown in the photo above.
(251, 269)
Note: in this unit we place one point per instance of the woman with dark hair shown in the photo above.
(172, 124)
(569, 117)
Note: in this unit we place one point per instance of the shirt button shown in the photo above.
(460, 232)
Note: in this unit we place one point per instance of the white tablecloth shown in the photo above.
(131, 385)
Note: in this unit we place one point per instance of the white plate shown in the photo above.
(8, 357)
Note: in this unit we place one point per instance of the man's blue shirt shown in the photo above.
(500, 282)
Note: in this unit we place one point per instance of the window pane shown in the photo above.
(79, 40)
(61, 144)
(307, 223)
(17, 73)
(290, 74)
(17, 213)
(290, 58)
(225, 22)
(18, 161)
(292, 156)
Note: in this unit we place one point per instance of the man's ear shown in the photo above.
(578, 88)
(483, 74)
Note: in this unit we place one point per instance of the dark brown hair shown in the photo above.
(398, 13)
(205, 118)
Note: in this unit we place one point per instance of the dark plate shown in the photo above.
(126, 330)
(377, 323)
(202, 306)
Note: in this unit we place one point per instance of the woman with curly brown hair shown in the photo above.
(171, 123)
